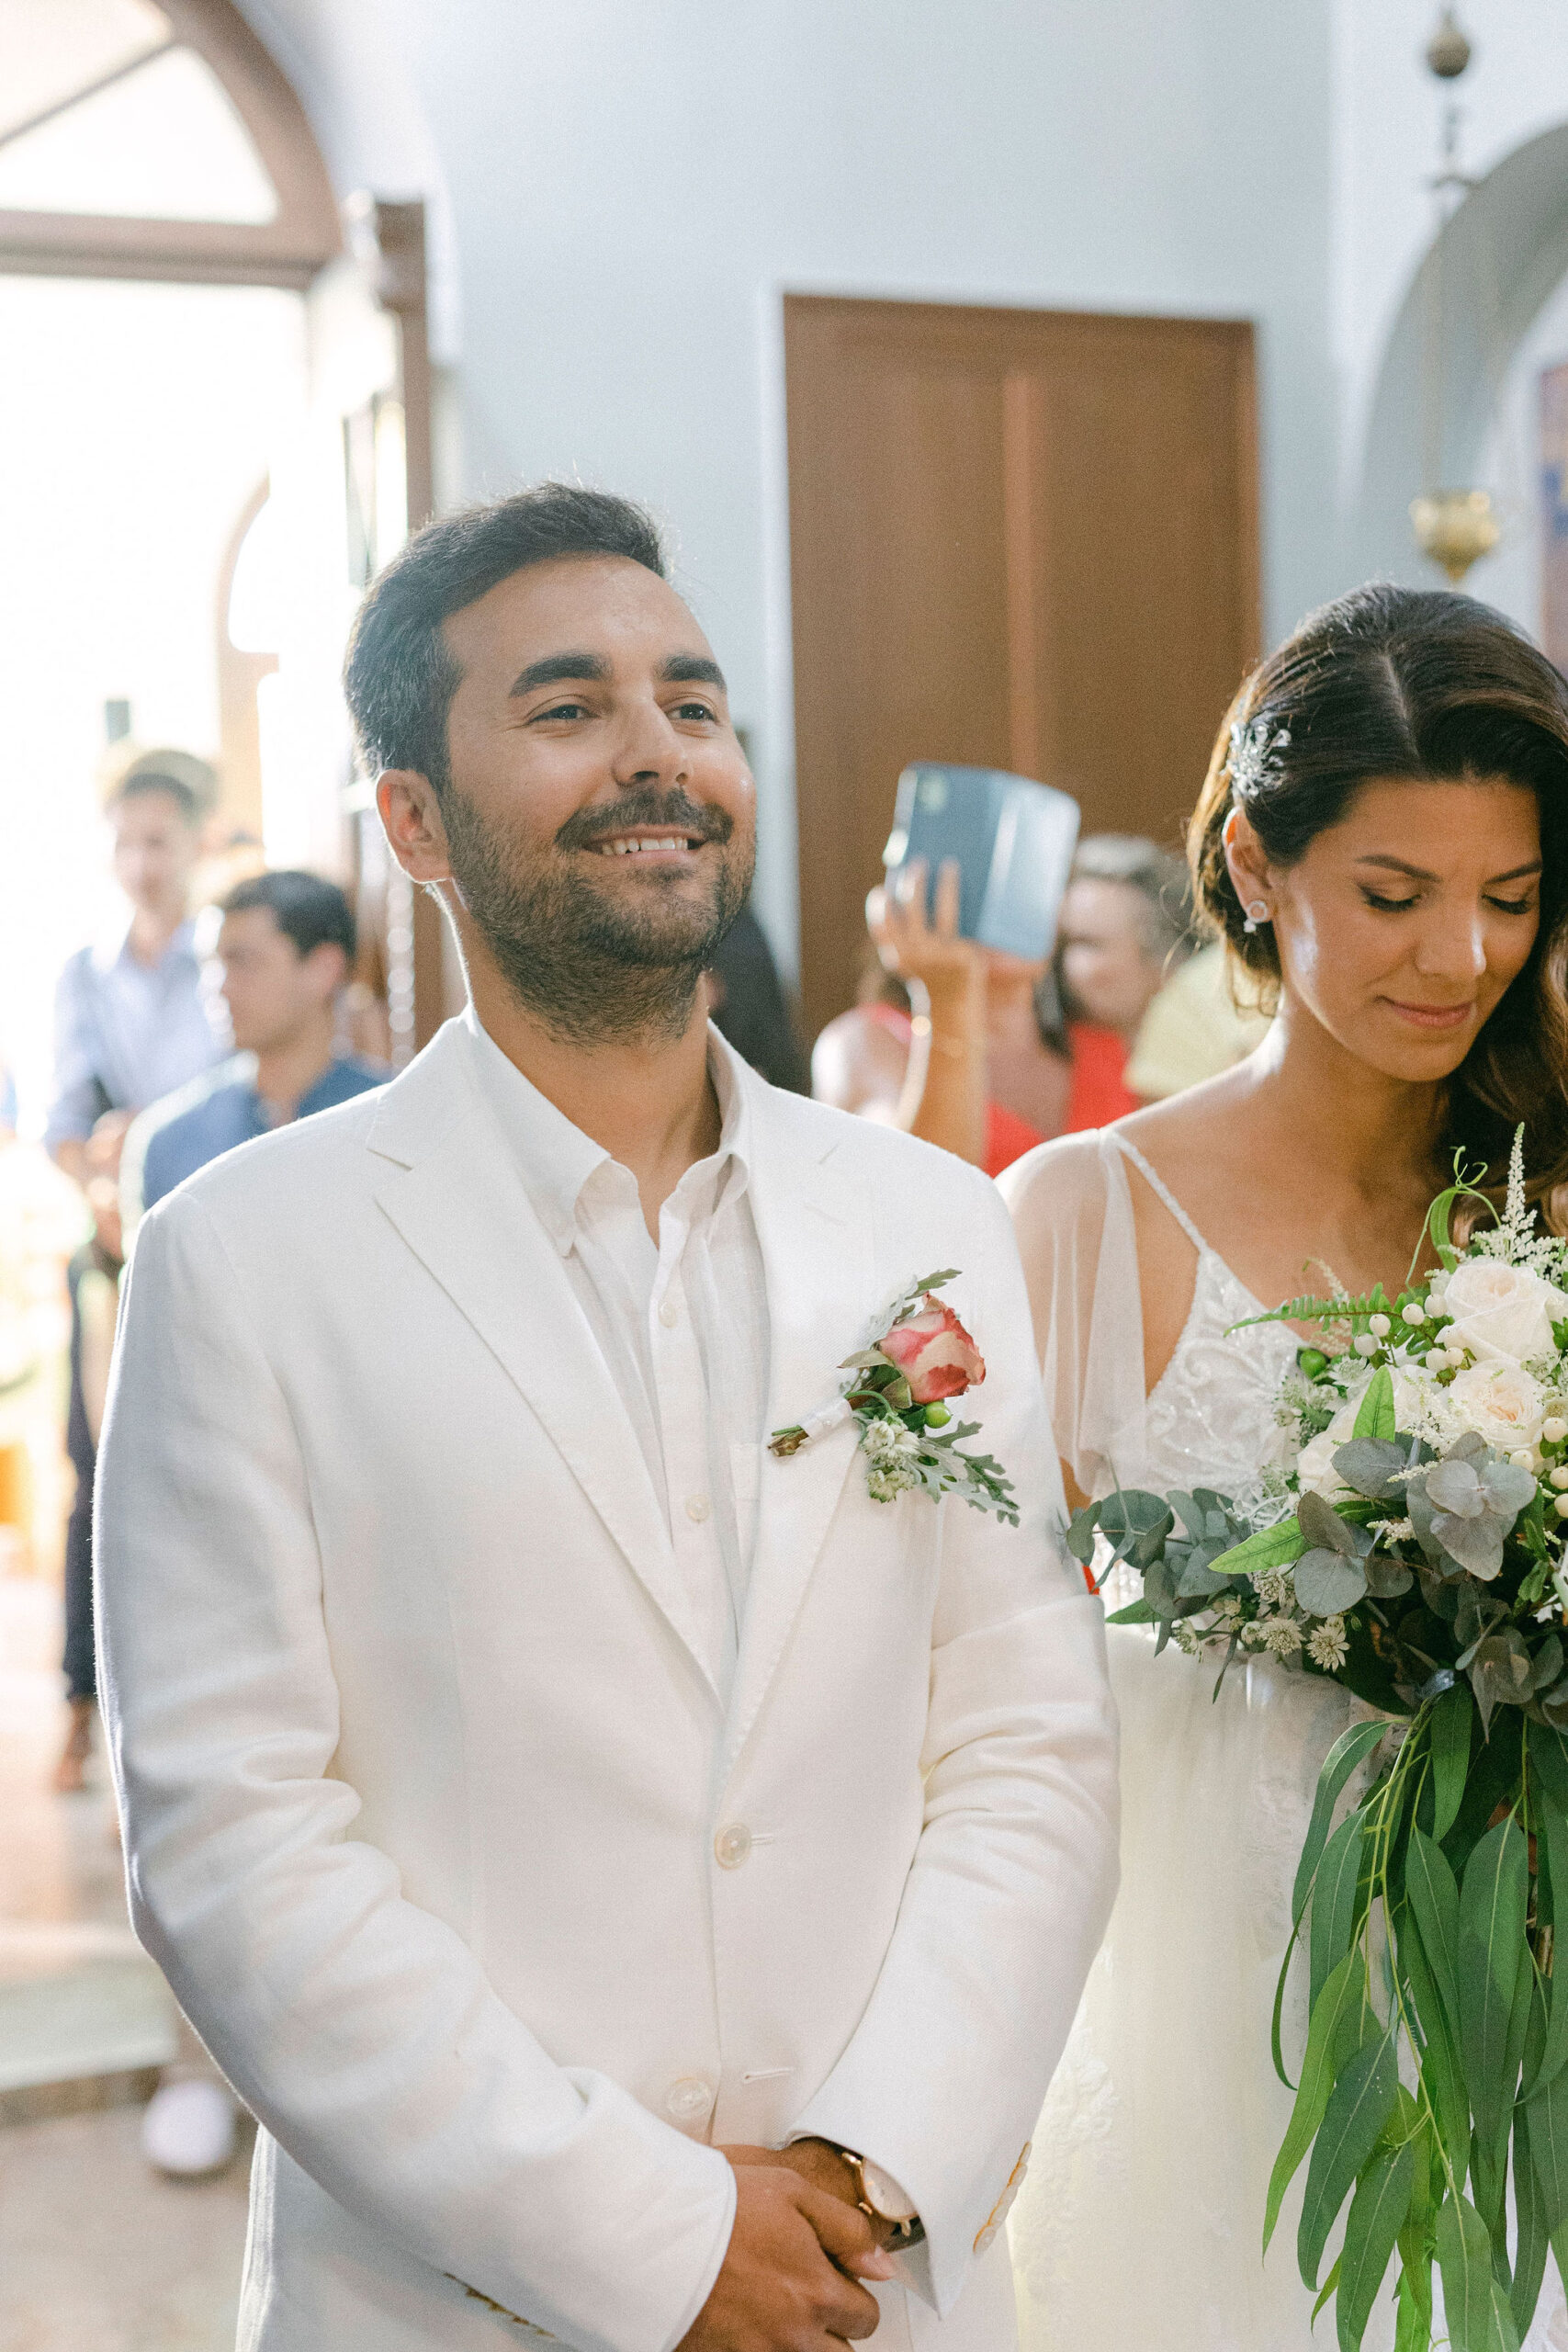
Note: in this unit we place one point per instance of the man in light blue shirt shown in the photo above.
(286, 950)
(131, 1018)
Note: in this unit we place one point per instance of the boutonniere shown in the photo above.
(897, 1392)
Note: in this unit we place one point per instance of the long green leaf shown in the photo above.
(1337, 1901)
(1359, 2106)
(1479, 2319)
(1433, 1897)
(1452, 1719)
(1374, 1415)
(1350, 1750)
(1492, 1908)
(1341, 1996)
(1548, 1756)
(1377, 2212)
(1412, 2331)
(1546, 2118)
(1260, 1554)
(1441, 2073)
(1552, 1852)
(1324, 2292)
(1534, 2230)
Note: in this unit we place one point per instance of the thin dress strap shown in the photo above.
(1162, 1190)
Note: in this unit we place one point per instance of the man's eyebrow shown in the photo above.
(555, 667)
(1419, 873)
(693, 670)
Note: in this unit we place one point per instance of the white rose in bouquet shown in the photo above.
(1316, 1472)
(1314, 1465)
(1501, 1402)
(1501, 1313)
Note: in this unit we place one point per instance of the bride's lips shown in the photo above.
(1432, 1016)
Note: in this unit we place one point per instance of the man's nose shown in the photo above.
(648, 750)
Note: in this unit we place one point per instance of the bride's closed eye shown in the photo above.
(1525, 906)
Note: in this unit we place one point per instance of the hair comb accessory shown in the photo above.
(1256, 913)
(1254, 762)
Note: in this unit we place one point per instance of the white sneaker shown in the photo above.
(188, 2128)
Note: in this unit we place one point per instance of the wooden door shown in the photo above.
(1019, 538)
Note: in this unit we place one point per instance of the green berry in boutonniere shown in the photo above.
(897, 1392)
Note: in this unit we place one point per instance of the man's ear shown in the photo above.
(1246, 859)
(411, 818)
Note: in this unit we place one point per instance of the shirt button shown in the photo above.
(689, 2100)
(697, 1507)
(732, 1844)
(670, 1315)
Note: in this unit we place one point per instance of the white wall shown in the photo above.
(627, 189)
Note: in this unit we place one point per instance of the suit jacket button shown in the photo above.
(986, 2238)
(689, 2100)
(732, 1844)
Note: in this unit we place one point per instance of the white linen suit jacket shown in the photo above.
(425, 1783)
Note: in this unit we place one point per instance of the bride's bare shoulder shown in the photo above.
(1064, 1168)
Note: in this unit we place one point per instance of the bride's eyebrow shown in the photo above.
(1420, 874)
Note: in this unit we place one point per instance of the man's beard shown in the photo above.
(588, 970)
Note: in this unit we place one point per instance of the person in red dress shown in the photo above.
(1004, 1052)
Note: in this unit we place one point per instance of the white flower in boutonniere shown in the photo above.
(897, 1392)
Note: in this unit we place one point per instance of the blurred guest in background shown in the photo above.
(748, 1005)
(131, 1022)
(286, 950)
(1003, 1052)
(1196, 1027)
(93, 1277)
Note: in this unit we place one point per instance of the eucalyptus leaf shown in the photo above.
(1081, 1531)
(1442, 2076)
(1322, 1526)
(1359, 2106)
(1199, 1576)
(1551, 1855)
(1351, 1749)
(1534, 2238)
(1494, 1894)
(1450, 1756)
(1336, 1903)
(1547, 2117)
(1342, 1996)
(1372, 1466)
(1432, 1892)
(1386, 1578)
(1137, 1523)
(1500, 1674)
(1377, 2212)
(1327, 1582)
(1474, 2305)
(1136, 1612)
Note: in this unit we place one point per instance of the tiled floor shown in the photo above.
(97, 2254)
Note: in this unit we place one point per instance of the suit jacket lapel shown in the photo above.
(455, 1196)
(822, 1285)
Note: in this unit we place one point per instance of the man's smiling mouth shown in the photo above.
(649, 845)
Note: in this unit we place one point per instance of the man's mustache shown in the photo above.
(586, 828)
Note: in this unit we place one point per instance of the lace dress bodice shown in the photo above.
(1210, 1419)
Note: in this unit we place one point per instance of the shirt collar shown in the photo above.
(557, 1160)
(113, 947)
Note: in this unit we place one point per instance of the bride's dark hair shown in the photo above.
(1400, 681)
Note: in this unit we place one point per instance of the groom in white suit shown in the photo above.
(641, 1884)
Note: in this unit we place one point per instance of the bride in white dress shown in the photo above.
(1383, 841)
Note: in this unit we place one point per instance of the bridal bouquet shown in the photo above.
(1410, 1543)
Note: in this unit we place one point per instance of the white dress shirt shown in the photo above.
(682, 1323)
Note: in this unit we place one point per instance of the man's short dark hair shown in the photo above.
(399, 677)
(310, 912)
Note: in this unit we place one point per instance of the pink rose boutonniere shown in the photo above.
(897, 1392)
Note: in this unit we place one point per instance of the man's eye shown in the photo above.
(694, 710)
(564, 710)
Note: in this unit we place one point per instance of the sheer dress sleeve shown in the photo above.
(1073, 1213)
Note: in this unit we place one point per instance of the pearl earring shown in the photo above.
(1256, 913)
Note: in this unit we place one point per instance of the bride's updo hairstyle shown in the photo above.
(1400, 682)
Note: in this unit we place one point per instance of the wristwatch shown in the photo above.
(880, 2197)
